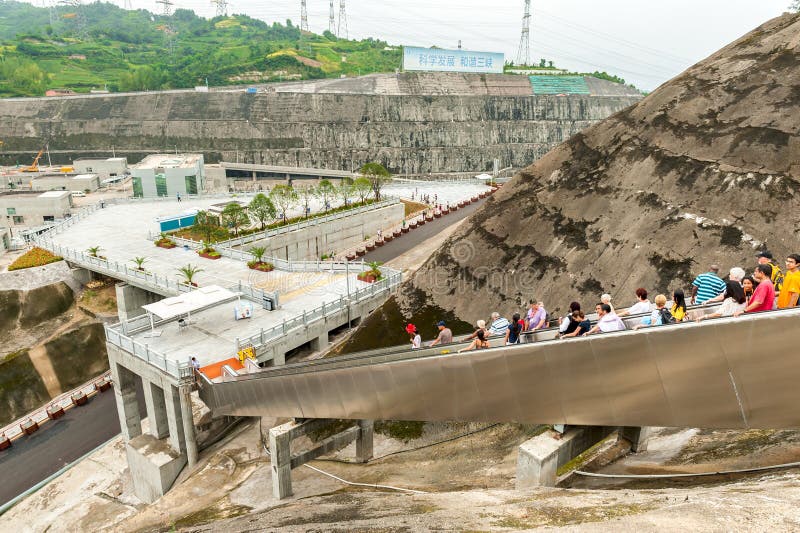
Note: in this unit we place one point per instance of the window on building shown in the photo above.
(49, 218)
(191, 184)
(19, 220)
(138, 192)
(161, 185)
(11, 210)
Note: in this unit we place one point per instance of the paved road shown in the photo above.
(81, 429)
(417, 236)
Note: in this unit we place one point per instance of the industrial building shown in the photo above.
(169, 175)
(33, 208)
(105, 168)
(65, 182)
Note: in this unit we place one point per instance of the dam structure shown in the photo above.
(413, 123)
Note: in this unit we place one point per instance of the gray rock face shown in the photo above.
(427, 127)
(704, 170)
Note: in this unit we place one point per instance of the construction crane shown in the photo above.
(34, 167)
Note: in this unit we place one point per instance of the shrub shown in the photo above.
(33, 258)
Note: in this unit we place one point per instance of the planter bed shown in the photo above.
(166, 245)
(351, 256)
(397, 233)
(29, 427)
(79, 398)
(5, 442)
(209, 256)
(370, 247)
(261, 266)
(388, 237)
(54, 412)
(361, 252)
(367, 277)
(437, 214)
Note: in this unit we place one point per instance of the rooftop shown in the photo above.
(54, 194)
(169, 161)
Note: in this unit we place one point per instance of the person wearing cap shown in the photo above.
(445, 335)
(791, 283)
(707, 285)
(765, 257)
(416, 339)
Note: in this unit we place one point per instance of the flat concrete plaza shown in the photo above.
(441, 192)
(121, 232)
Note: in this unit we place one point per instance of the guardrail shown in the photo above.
(311, 222)
(63, 401)
(143, 352)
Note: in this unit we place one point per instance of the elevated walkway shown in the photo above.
(724, 373)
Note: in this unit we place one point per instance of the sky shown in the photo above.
(644, 42)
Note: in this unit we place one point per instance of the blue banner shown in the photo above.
(440, 60)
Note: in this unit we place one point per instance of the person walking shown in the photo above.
(514, 330)
(445, 335)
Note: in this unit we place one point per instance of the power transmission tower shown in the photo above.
(331, 19)
(78, 16)
(524, 52)
(222, 7)
(166, 7)
(342, 21)
(303, 16)
(126, 4)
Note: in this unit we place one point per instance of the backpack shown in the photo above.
(777, 277)
(666, 316)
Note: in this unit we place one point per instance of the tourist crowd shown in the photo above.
(766, 289)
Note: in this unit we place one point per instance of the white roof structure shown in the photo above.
(483, 177)
(192, 301)
(54, 194)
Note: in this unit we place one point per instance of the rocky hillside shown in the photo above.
(705, 169)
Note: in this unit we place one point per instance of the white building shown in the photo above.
(32, 209)
(105, 168)
(169, 175)
(66, 182)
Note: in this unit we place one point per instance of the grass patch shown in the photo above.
(34, 257)
(413, 207)
(559, 516)
(400, 429)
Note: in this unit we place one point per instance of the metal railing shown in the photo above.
(143, 352)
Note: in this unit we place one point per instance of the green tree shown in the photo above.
(284, 197)
(206, 226)
(139, 261)
(189, 272)
(235, 216)
(305, 195)
(377, 175)
(361, 188)
(261, 209)
(344, 190)
(326, 192)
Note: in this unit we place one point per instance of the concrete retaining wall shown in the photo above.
(309, 244)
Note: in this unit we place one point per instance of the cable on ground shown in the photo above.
(679, 475)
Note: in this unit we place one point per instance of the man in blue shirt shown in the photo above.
(707, 285)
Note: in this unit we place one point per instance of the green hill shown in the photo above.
(104, 46)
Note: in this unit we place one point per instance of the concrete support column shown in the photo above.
(188, 423)
(364, 451)
(320, 343)
(127, 404)
(156, 410)
(175, 419)
(130, 300)
(280, 439)
(81, 275)
(638, 437)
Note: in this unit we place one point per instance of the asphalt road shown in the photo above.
(417, 236)
(82, 429)
(58, 443)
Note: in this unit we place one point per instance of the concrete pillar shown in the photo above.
(637, 436)
(130, 300)
(81, 275)
(174, 419)
(539, 458)
(364, 450)
(280, 439)
(156, 410)
(320, 343)
(188, 423)
(127, 404)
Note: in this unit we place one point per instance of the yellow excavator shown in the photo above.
(34, 167)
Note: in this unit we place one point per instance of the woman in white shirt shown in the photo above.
(641, 306)
(734, 301)
(416, 338)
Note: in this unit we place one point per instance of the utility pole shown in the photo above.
(342, 21)
(303, 16)
(524, 51)
(331, 19)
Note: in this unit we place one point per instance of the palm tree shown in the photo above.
(189, 272)
(258, 253)
(374, 267)
(139, 262)
(93, 250)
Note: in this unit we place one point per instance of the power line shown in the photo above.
(524, 50)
